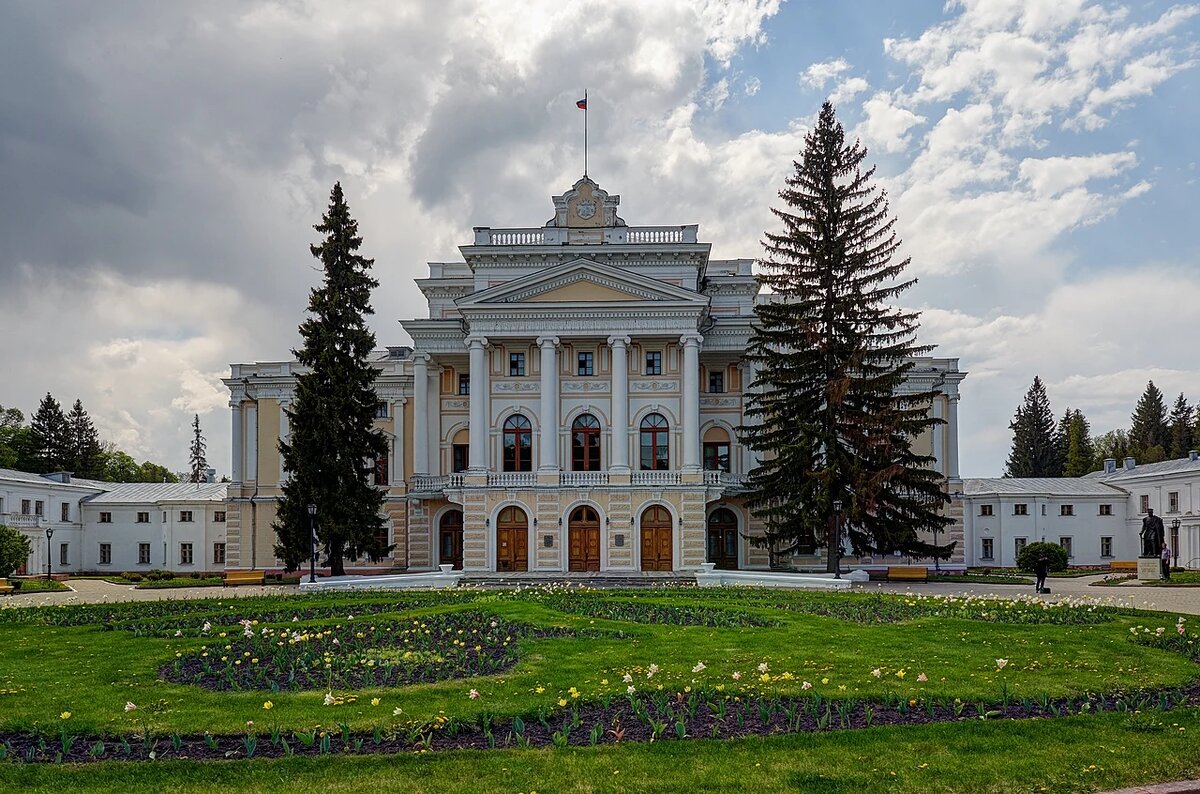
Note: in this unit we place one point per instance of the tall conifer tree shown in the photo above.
(197, 461)
(85, 452)
(1078, 461)
(48, 436)
(1149, 434)
(1034, 452)
(333, 442)
(1180, 428)
(1062, 440)
(832, 352)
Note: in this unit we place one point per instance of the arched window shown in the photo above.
(518, 444)
(654, 444)
(585, 443)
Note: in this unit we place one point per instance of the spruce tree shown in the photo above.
(49, 437)
(1078, 461)
(1062, 440)
(333, 440)
(84, 444)
(198, 463)
(1149, 434)
(1034, 452)
(1180, 428)
(832, 352)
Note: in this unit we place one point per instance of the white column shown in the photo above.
(434, 423)
(619, 455)
(479, 391)
(549, 407)
(284, 434)
(952, 427)
(421, 413)
(251, 411)
(939, 457)
(235, 472)
(691, 401)
(398, 445)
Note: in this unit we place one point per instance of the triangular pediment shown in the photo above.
(581, 281)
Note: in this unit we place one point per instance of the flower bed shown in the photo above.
(600, 604)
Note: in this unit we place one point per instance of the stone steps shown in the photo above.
(598, 580)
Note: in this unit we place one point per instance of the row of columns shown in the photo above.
(480, 429)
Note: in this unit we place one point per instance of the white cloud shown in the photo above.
(887, 125)
(1051, 176)
(752, 86)
(848, 89)
(819, 75)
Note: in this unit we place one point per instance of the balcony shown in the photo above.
(23, 521)
(583, 478)
(511, 479)
(724, 478)
(656, 478)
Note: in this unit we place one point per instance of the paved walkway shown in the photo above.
(94, 591)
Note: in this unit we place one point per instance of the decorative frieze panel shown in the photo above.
(654, 386)
(720, 402)
(517, 386)
(592, 386)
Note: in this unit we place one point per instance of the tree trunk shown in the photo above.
(831, 535)
(337, 565)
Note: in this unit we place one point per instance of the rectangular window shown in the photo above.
(143, 554)
(65, 512)
(464, 385)
(1043, 509)
(716, 382)
(1066, 510)
(143, 518)
(1106, 547)
(106, 518)
(25, 507)
(985, 552)
(39, 508)
(381, 410)
(1021, 510)
(460, 457)
(1065, 542)
(1144, 503)
(653, 362)
(164, 516)
(985, 510)
(586, 364)
(1106, 510)
(1018, 545)
(185, 554)
(716, 456)
(185, 516)
(219, 517)
(1172, 502)
(64, 554)
(381, 471)
(106, 554)
(218, 554)
(516, 365)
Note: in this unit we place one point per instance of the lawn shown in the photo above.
(397, 672)
(38, 586)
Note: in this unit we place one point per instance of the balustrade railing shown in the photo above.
(656, 478)
(22, 521)
(556, 235)
(512, 479)
(577, 478)
(423, 483)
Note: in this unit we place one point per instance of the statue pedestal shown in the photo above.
(1149, 569)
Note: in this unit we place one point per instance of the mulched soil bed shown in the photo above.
(655, 717)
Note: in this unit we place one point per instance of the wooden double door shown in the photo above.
(450, 539)
(723, 539)
(512, 540)
(583, 540)
(657, 550)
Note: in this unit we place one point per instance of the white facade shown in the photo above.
(1098, 516)
(570, 403)
(99, 526)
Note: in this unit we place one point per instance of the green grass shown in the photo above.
(978, 578)
(1077, 754)
(38, 586)
(1178, 579)
(180, 581)
(114, 655)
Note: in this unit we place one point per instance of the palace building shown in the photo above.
(570, 403)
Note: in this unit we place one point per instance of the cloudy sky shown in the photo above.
(162, 164)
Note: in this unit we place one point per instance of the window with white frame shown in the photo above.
(25, 506)
(219, 517)
(586, 364)
(185, 516)
(985, 551)
(105, 518)
(1065, 542)
(218, 554)
(1066, 510)
(143, 554)
(185, 554)
(985, 510)
(143, 517)
(1106, 547)
(653, 362)
(39, 508)
(65, 511)
(1173, 501)
(1106, 510)
(1020, 509)
(1144, 503)
(516, 365)
(1019, 545)
(464, 385)
(64, 554)
(106, 554)
(381, 410)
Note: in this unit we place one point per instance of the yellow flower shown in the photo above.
(562, 702)
(374, 701)
(540, 689)
(66, 715)
(824, 680)
(900, 674)
(268, 706)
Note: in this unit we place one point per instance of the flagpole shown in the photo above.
(585, 131)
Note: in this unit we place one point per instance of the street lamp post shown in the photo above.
(1175, 540)
(49, 558)
(312, 537)
(837, 538)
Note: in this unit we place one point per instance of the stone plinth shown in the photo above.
(1149, 569)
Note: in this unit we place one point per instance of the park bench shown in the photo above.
(1123, 566)
(244, 577)
(5, 587)
(908, 573)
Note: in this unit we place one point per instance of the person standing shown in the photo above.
(1166, 561)
(1041, 568)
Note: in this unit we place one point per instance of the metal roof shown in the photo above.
(1038, 486)
(29, 478)
(144, 492)
(1177, 466)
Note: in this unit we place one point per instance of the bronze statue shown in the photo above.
(1153, 535)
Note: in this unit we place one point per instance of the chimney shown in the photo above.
(1193, 455)
(59, 476)
(1110, 465)
(1130, 464)
(210, 475)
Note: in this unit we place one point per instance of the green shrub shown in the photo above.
(1055, 554)
(195, 574)
(156, 575)
(132, 576)
(14, 550)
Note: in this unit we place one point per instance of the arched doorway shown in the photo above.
(512, 540)
(583, 540)
(723, 539)
(450, 539)
(657, 553)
